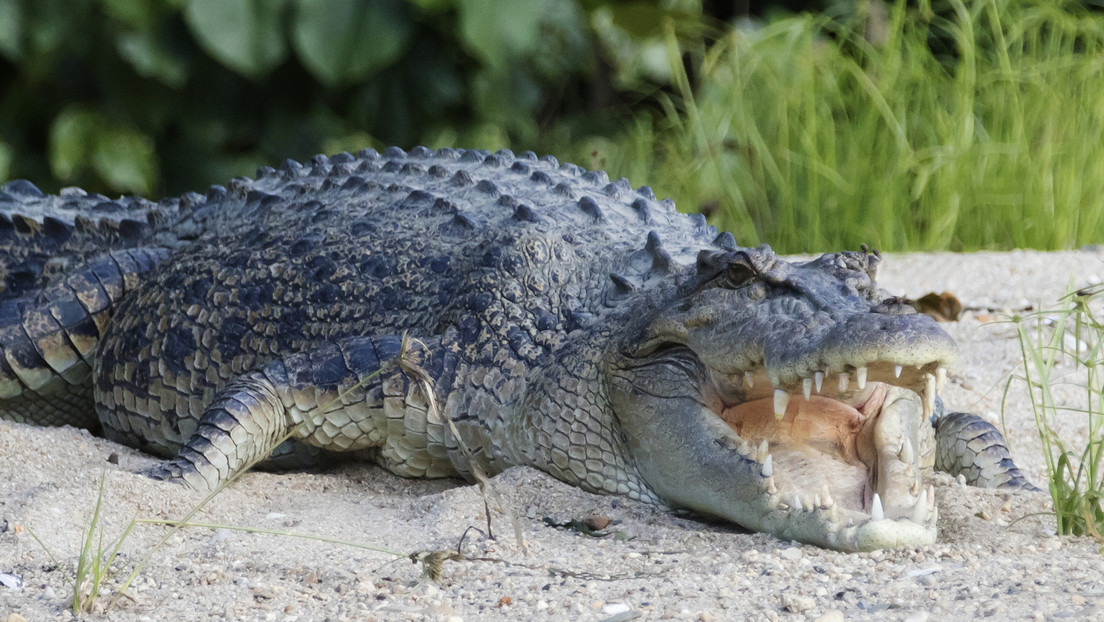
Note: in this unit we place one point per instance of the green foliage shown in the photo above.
(339, 41)
(163, 96)
(84, 141)
(244, 35)
(980, 127)
(953, 124)
(1066, 347)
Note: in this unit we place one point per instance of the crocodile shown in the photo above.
(451, 313)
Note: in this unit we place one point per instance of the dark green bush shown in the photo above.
(162, 96)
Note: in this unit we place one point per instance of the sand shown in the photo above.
(997, 554)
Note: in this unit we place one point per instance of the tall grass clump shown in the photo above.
(1065, 349)
(980, 126)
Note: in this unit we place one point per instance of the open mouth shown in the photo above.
(848, 443)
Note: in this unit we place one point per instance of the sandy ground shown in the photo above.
(996, 557)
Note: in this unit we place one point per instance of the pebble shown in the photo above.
(796, 603)
(614, 608)
(793, 553)
(832, 615)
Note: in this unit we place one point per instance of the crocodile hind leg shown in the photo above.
(346, 397)
(967, 445)
(48, 338)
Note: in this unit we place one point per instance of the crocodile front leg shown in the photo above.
(967, 445)
(345, 397)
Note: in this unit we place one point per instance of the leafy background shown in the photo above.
(163, 96)
(812, 125)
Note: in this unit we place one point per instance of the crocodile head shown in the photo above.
(790, 398)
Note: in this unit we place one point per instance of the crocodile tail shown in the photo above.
(48, 338)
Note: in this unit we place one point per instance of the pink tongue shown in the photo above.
(817, 421)
(874, 403)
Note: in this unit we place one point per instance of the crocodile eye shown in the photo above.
(739, 274)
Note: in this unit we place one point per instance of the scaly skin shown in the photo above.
(557, 320)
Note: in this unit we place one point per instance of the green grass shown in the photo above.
(981, 127)
(1065, 347)
(95, 563)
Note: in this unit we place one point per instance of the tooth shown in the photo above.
(771, 489)
(929, 395)
(744, 448)
(940, 378)
(850, 522)
(816, 501)
(826, 500)
(781, 400)
(796, 504)
(914, 488)
(768, 467)
(843, 381)
(818, 378)
(907, 455)
(876, 512)
(860, 377)
(749, 379)
(808, 503)
(910, 471)
(807, 387)
(897, 369)
(920, 511)
(764, 451)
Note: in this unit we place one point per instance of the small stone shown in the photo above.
(15, 617)
(597, 523)
(795, 603)
(832, 615)
(793, 553)
(615, 608)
